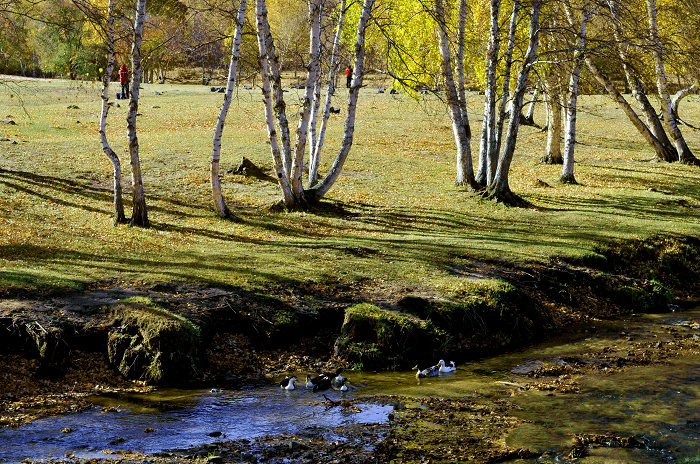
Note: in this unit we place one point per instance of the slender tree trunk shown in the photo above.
(506, 75)
(553, 149)
(626, 107)
(119, 216)
(653, 122)
(358, 74)
(499, 189)
(332, 74)
(278, 161)
(679, 96)
(684, 154)
(311, 82)
(529, 118)
(139, 215)
(457, 95)
(279, 104)
(567, 174)
(219, 204)
(488, 130)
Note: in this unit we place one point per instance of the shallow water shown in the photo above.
(659, 403)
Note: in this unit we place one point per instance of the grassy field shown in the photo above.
(398, 218)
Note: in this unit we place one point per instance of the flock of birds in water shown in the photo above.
(338, 382)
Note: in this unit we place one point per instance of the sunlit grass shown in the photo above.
(403, 219)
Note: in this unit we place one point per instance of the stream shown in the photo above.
(659, 403)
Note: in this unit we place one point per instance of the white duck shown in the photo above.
(288, 383)
(445, 369)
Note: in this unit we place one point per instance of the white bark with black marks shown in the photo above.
(219, 204)
(684, 153)
(358, 74)
(278, 161)
(119, 216)
(499, 189)
(317, 147)
(506, 75)
(139, 215)
(567, 173)
(488, 156)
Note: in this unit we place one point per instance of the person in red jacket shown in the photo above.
(348, 76)
(124, 80)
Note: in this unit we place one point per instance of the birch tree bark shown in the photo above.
(317, 146)
(322, 187)
(311, 83)
(634, 118)
(506, 75)
(456, 97)
(499, 190)
(678, 97)
(139, 215)
(277, 157)
(219, 204)
(487, 150)
(529, 118)
(553, 149)
(684, 154)
(119, 216)
(638, 92)
(567, 174)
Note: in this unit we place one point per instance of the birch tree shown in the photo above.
(119, 216)
(487, 149)
(567, 174)
(316, 146)
(684, 154)
(499, 189)
(219, 204)
(139, 216)
(288, 164)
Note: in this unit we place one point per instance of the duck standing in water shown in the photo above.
(445, 369)
(288, 383)
(431, 371)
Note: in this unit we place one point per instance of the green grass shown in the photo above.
(406, 221)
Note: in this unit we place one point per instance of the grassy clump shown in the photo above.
(377, 337)
(150, 343)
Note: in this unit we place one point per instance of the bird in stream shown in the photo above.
(445, 369)
(431, 371)
(288, 383)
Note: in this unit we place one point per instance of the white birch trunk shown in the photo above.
(490, 104)
(553, 150)
(506, 75)
(139, 216)
(278, 162)
(275, 75)
(311, 83)
(499, 190)
(684, 153)
(638, 91)
(119, 216)
(219, 204)
(678, 97)
(457, 113)
(567, 174)
(358, 74)
(332, 74)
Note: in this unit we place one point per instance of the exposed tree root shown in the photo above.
(568, 179)
(549, 159)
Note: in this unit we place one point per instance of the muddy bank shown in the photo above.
(172, 333)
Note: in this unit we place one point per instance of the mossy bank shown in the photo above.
(180, 334)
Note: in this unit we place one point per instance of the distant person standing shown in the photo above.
(348, 76)
(124, 80)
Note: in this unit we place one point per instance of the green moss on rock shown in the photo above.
(150, 343)
(377, 337)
